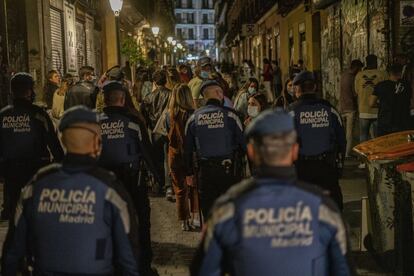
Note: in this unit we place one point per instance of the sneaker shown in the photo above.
(170, 195)
(185, 226)
(361, 166)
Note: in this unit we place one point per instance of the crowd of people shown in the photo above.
(190, 133)
(381, 100)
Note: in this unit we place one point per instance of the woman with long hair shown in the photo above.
(287, 96)
(180, 109)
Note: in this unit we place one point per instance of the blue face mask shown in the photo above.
(251, 90)
(204, 74)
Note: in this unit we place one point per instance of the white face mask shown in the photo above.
(253, 111)
(251, 90)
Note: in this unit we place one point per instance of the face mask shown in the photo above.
(251, 90)
(204, 74)
(253, 111)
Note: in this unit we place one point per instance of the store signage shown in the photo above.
(249, 30)
(70, 38)
(321, 4)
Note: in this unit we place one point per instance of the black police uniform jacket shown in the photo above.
(124, 139)
(27, 134)
(319, 126)
(73, 218)
(213, 131)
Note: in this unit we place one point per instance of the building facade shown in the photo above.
(195, 25)
(39, 35)
(326, 34)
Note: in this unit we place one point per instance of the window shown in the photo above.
(191, 34)
(205, 34)
(205, 18)
(178, 17)
(179, 33)
(190, 17)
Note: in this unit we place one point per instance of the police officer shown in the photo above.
(124, 149)
(74, 218)
(321, 137)
(272, 224)
(27, 137)
(215, 134)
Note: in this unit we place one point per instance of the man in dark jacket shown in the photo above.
(126, 152)
(27, 140)
(272, 224)
(153, 107)
(74, 218)
(83, 92)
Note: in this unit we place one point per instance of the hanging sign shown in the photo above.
(70, 38)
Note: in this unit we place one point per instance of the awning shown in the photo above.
(321, 4)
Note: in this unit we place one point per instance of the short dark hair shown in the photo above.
(85, 70)
(356, 63)
(395, 69)
(160, 77)
(113, 97)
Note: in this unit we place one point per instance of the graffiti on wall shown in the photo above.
(330, 52)
(347, 36)
(378, 33)
(354, 33)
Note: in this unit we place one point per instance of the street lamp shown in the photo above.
(173, 43)
(179, 46)
(155, 31)
(116, 6)
(207, 52)
(170, 39)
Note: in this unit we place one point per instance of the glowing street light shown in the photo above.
(179, 46)
(155, 31)
(170, 39)
(174, 42)
(207, 52)
(116, 6)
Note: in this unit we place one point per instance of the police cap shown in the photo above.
(78, 114)
(113, 86)
(21, 82)
(206, 84)
(203, 61)
(302, 77)
(270, 122)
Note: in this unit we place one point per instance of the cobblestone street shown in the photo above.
(174, 249)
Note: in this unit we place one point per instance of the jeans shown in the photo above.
(349, 120)
(365, 128)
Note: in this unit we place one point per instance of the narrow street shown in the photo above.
(174, 249)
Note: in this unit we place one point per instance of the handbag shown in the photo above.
(161, 125)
